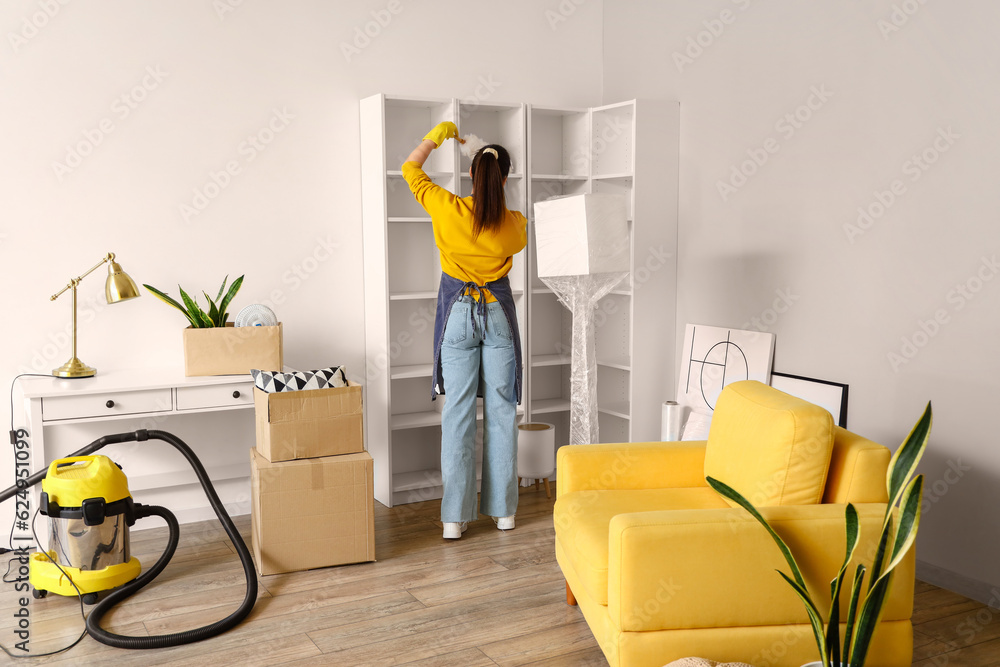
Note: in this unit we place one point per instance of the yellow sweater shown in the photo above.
(480, 261)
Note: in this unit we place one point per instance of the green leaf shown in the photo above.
(735, 496)
(233, 289)
(883, 542)
(814, 618)
(196, 312)
(833, 623)
(166, 299)
(852, 529)
(221, 289)
(909, 521)
(859, 575)
(213, 312)
(868, 621)
(904, 461)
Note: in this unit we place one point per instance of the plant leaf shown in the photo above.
(814, 618)
(833, 623)
(196, 312)
(166, 299)
(213, 312)
(883, 542)
(221, 289)
(904, 461)
(852, 529)
(735, 496)
(909, 521)
(867, 622)
(859, 575)
(233, 289)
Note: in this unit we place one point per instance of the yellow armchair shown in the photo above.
(663, 568)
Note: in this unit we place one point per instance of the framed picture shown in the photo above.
(829, 395)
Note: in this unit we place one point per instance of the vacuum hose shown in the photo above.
(123, 592)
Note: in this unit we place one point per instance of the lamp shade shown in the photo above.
(581, 235)
(119, 286)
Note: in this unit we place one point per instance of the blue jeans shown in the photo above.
(478, 351)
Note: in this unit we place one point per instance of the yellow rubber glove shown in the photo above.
(442, 131)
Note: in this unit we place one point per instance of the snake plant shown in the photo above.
(905, 492)
(198, 318)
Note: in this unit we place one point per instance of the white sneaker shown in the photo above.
(454, 530)
(504, 522)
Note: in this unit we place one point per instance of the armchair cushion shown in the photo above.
(771, 447)
(582, 519)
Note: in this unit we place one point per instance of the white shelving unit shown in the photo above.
(554, 152)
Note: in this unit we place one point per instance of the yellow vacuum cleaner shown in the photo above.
(90, 510)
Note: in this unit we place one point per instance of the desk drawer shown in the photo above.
(236, 394)
(91, 406)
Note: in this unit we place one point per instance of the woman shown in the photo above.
(477, 345)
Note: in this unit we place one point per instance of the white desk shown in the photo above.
(63, 415)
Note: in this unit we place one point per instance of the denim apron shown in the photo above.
(448, 293)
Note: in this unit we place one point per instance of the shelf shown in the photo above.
(416, 420)
(398, 173)
(403, 219)
(604, 177)
(405, 296)
(422, 479)
(620, 365)
(428, 418)
(544, 405)
(549, 360)
(412, 296)
(558, 177)
(620, 410)
(414, 371)
(466, 175)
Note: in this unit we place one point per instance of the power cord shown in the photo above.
(14, 434)
(79, 595)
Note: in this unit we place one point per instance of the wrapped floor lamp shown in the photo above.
(582, 247)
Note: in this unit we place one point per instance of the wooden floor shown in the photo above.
(491, 598)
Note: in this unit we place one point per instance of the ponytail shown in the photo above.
(490, 167)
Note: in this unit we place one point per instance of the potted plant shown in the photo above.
(213, 346)
(905, 493)
(198, 318)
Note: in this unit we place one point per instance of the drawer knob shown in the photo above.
(110, 403)
(236, 394)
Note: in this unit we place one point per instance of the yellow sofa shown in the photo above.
(663, 568)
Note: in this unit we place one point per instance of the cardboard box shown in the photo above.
(232, 350)
(307, 424)
(311, 513)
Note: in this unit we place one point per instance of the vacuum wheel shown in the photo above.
(38, 594)
(90, 599)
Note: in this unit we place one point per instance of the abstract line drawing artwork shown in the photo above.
(713, 357)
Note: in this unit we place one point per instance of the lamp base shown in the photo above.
(74, 368)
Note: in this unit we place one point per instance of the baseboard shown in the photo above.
(981, 591)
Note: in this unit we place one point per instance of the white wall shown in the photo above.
(290, 219)
(846, 298)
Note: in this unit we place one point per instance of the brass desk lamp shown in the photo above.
(118, 287)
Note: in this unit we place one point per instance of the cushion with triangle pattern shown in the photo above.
(272, 381)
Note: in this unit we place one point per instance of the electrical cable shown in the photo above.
(79, 596)
(124, 591)
(13, 440)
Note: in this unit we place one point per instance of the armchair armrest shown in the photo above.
(648, 465)
(716, 567)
